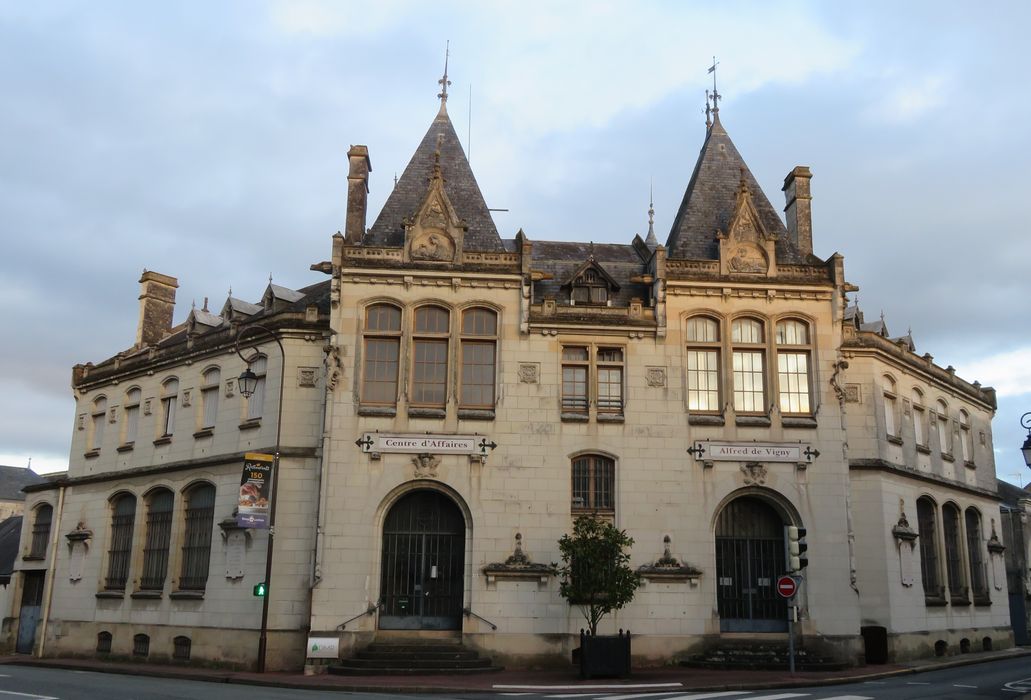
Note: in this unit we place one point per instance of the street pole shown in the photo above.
(274, 496)
(791, 635)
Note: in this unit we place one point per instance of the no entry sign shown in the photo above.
(787, 586)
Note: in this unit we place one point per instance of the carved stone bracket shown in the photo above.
(754, 473)
(80, 534)
(903, 532)
(667, 569)
(229, 525)
(425, 465)
(518, 567)
(995, 546)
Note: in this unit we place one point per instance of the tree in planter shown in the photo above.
(595, 572)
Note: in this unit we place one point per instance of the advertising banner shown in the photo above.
(255, 491)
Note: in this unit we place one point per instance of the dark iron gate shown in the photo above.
(749, 558)
(423, 567)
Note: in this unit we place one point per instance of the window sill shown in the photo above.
(186, 595)
(895, 439)
(605, 515)
(969, 465)
(250, 424)
(203, 433)
(146, 595)
(923, 449)
(706, 420)
(33, 557)
(959, 601)
(127, 447)
(798, 422)
(753, 421)
(420, 412)
(980, 600)
(91, 454)
(947, 457)
(163, 440)
(935, 602)
(119, 595)
(385, 411)
(575, 417)
(476, 414)
(610, 418)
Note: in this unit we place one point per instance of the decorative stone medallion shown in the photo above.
(529, 372)
(425, 465)
(656, 376)
(306, 376)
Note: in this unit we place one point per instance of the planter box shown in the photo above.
(607, 655)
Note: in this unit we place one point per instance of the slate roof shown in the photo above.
(459, 185)
(563, 259)
(12, 479)
(1010, 493)
(710, 201)
(10, 536)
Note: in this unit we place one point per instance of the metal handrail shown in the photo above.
(371, 609)
(469, 612)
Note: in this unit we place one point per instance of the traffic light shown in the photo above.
(260, 589)
(795, 548)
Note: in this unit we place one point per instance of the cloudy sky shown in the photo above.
(208, 141)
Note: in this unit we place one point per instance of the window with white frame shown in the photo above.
(966, 438)
(131, 415)
(891, 407)
(479, 358)
(169, 396)
(919, 419)
(944, 434)
(703, 365)
(794, 358)
(256, 401)
(748, 341)
(381, 354)
(99, 419)
(209, 397)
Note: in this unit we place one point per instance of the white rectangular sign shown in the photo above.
(707, 450)
(323, 648)
(423, 443)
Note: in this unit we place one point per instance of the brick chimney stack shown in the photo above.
(157, 302)
(799, 209)
(357, 193)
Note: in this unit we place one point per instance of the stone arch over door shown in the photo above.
(422, 565)
(749, 537)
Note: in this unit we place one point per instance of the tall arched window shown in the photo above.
(703, 365)
(927, 522)
(200, 516)
(594, 484)
(919, 419)
(41, 531)
(891, 407)
(953, 552)
(119, 553)
(132, 416)
(479, 358)
(256, 401)
(794, 357)
(429, 356)
(975, 545)
(209, 397)
(98, 422)
(159, 533)
(169, 396)
(381, 355)
(966, 439)
(944, 434)
(748, 339)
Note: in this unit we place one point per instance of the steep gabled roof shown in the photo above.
(13, 479)
(711, 199)
(459, 184)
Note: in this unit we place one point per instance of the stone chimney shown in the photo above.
(357, 193)
(799, 209)
(157, 302)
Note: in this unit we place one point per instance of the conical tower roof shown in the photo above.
(711, 198)
(459, 185)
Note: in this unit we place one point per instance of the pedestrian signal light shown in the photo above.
(261, 589)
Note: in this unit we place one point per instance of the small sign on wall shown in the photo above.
(323, 648)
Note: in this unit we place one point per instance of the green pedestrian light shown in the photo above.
(261, 589)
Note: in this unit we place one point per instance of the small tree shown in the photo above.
(595, 571)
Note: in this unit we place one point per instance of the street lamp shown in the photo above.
(248, 382)
(1025, 422)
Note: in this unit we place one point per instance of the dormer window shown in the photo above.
(588, 288)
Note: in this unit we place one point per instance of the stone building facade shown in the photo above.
(454, 399)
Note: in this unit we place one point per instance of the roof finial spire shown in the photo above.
(716, 97)
(708, 111)
(651, 241)
(444, 82)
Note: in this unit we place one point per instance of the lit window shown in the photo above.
(944, 434)
(703, 365)
(966, 438)
(159, 533)
(429, 356)
(41, 531)
(256, 401)
(927, 523)
(793, 361)
(200, 515)
(953, 552)
(99, 419)
(119, 554)
(169, 394)
(479, 358)
(132, 416)
(749, 375)
(594, 484)
(919, 419)
(382, 343)
(209, 397)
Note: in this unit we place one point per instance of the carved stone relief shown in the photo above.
(656, 376)
(425, 465)
(747, 258)
(754, 473)
(853, 393)
(433, 245)
(307, 376)
(529, 372)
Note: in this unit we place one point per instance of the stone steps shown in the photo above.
(413, 657)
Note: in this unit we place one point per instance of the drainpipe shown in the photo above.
(55, 536)
(320, 486)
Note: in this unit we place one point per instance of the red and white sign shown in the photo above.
(787, 586)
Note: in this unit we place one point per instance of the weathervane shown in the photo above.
(444, 82)
(715, 95)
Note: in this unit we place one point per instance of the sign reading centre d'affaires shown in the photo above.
(425, 443)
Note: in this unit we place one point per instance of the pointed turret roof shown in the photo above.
(459, 185)
(711, 199)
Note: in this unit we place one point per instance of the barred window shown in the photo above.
(594, 484)
(953, 552)
(256, 401)
(159, 533)
(927, 522)
(794, 354)
(119, 554)
(140, 645)
(181, 648)
(429, 356)
(703, 365)
(104, 642)
(978, 574)
(748, 340)
(132, 416)
(479, 357)
(41, 531)
(200, 515)
(209, 397)
(99, 419)
(382, 342)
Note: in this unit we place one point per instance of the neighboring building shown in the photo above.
(12, 481)
(478, 393)
(1014, 528)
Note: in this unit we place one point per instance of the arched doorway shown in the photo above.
(423, 565)
(749, 558)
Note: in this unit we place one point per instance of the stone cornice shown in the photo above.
(883, 465)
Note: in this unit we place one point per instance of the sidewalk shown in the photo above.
(673, 678)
